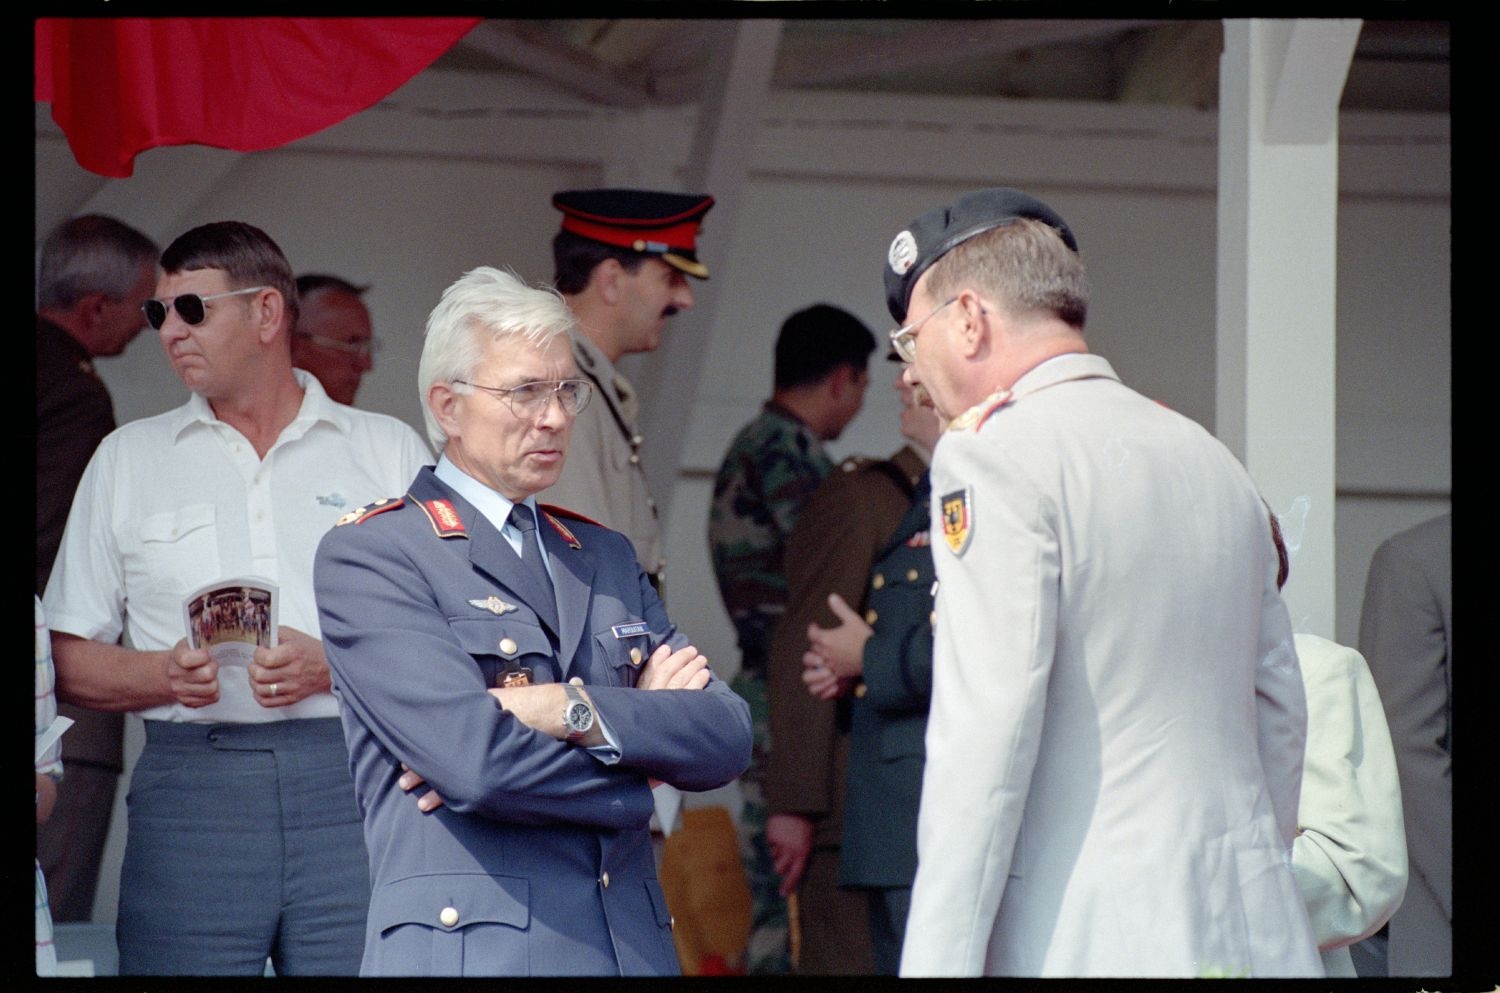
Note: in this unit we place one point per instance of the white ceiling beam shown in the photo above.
(1276, 355)
(1309, 64)
(736, 91)
(917, 48)
(523, 47)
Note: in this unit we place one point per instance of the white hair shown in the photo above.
(482, 306)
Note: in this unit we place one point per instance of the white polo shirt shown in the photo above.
(172, 502)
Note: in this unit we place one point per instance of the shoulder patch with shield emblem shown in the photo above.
(957, 509)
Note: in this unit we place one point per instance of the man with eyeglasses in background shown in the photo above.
(333, 338)
(513, 657)
(243, 841)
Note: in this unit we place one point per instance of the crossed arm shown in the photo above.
(540, 707)
(403, 676)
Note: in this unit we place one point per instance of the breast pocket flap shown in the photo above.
(176, 524)
(452, 901)
(505, 637)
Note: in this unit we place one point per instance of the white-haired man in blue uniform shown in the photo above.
(510, 685)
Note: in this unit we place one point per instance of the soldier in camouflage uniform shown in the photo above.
(771, 468)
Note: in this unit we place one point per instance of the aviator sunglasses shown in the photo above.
(189, 306)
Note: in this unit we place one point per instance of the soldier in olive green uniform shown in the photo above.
(772, 466)
(879, 666)
(888, 722)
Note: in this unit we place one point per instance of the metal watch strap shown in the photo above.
(574, 697)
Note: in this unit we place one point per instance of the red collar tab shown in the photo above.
(559, 527)
(445, 520)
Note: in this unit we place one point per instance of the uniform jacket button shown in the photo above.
(448, 916)
(870, 616)
(878, 581)
(508, 646)
(861, 690)
(604, 880)
(911, 575)
(635, 656)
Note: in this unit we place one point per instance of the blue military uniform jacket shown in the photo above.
(889, 711)
(540, 861)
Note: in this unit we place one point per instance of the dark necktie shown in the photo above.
(531, 562)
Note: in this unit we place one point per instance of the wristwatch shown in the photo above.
(578, 716)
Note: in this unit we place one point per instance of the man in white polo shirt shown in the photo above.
(243, 841)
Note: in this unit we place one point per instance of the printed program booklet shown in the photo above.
(232, 618)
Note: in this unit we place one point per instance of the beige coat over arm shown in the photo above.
(1350, 852)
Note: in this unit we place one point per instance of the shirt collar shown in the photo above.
(785, 413)
(1061, 369)
(316, 406)
(495, 507)
(590, 358)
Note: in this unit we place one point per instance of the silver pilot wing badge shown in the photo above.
(493, 604)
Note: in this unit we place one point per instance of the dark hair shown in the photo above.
(815, 341)
(245, 252)
(313, 281)
(574, 258)
(91, 254)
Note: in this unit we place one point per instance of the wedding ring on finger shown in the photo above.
(273, 690)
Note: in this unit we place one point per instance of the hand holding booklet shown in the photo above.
(231, 618)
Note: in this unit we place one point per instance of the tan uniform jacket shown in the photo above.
(602, 477)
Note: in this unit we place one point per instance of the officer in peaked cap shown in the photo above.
(664, 225)
(621, 262)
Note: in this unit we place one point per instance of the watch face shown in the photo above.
(580, 717)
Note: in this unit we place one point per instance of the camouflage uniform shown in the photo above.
(773, 465)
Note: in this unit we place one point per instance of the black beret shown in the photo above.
(940, 230)
(645, 221)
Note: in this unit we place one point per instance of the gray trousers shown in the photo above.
(244, 842)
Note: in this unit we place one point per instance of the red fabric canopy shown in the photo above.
(119, 86)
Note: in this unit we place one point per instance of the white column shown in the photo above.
(1280, 83)
(734, 98)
